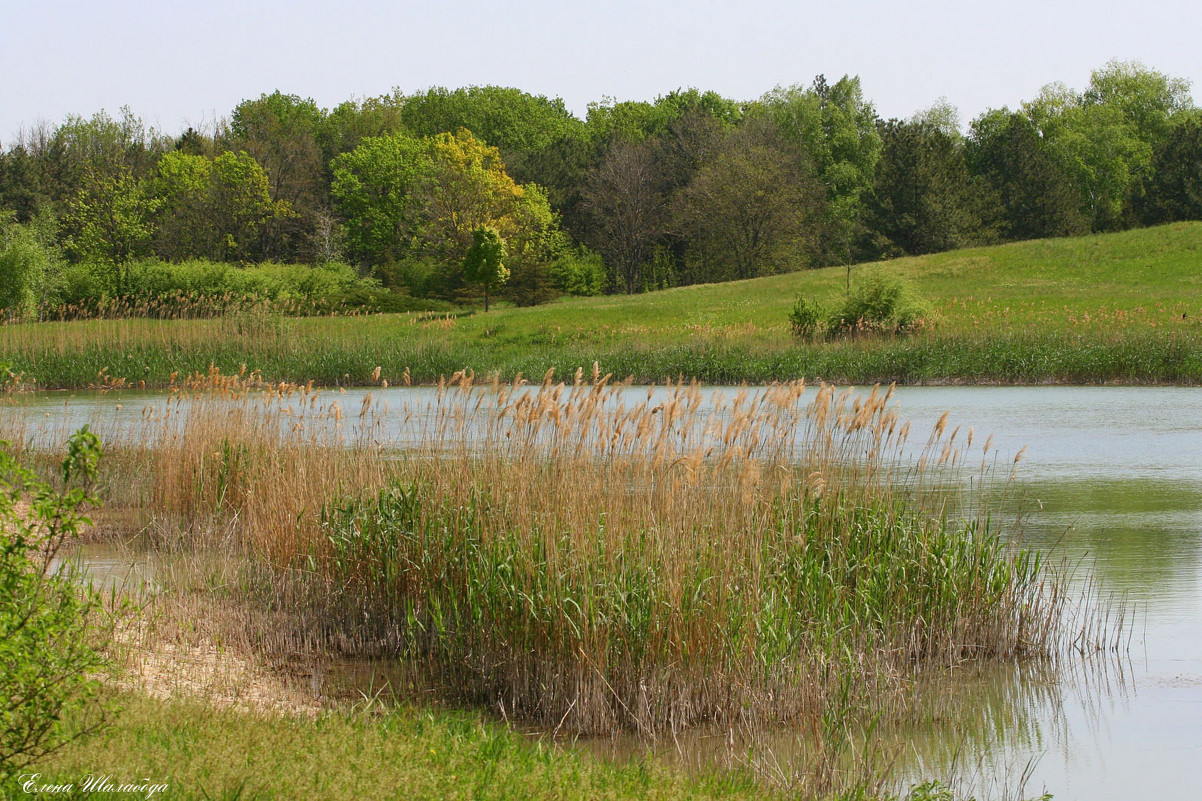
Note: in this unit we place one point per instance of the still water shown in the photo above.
(1112, 480)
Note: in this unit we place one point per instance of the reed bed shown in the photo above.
(567, 556)
(341, 351)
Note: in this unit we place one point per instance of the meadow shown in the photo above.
(1119, 308)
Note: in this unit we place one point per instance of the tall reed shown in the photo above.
(573, 558)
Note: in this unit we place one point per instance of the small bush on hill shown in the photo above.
(880, 303)
(806, 319)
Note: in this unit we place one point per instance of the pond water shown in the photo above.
(1113, 479)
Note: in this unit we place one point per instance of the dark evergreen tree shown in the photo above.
(1174, 191)
(1036, 195)
(925, 200)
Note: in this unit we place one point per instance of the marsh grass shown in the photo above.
(568, 557)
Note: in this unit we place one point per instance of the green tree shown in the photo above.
(484, 263)
(51, 632)
(1175, 189)
(283, 134)
(212, 208)
(21, 188)
(1146, 99)
(517, 123)
(1105, 136)
(466, 188)
(183, 186)
(23, 267)
(925, 200)
(377, 189)
(1035, 193)
(836, 126)
(110, 222)
(750, 209)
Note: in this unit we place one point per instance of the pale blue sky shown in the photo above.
(179, 64)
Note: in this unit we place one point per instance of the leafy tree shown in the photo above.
(110, 222)
(1175, 189)
(484, 262)
(751, 209)
(377, 188)
(51, 638)
(836, 126)
(925, 200)
(21, 188)
(467, 188)
(350, 122)
(212, 208)
(1145, 98)
(515, 122)
(610, 121)
(1106, 135)
(282, 133)
(241, 205)
(1036, 196)
(403, 197)
(23, 266)
(183, 187)
(108, 146)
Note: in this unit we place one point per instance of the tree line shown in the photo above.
(693, 187)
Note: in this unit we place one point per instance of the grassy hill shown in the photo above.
(1123, 307)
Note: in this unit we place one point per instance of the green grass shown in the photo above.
(1108, 308)
(207, 753)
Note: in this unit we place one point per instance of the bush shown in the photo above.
(578, 273)
(204, 288)
(881, 303)
(806, 318)
(23, 264)
(49, 644)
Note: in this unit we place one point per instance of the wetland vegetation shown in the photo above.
(574, 558)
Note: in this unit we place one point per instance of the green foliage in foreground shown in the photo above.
(512, 615)
(48, 647)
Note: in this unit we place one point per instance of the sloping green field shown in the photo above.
(1123, 308)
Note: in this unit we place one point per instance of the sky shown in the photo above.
(185, 64)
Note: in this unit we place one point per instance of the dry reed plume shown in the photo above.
(576, 559)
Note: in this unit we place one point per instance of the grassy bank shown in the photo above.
(204, 753)
(1108, 308)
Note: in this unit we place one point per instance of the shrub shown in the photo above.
(578, 273)
(23, 264)
(806, 318)
(49, 644)
(881, 303)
